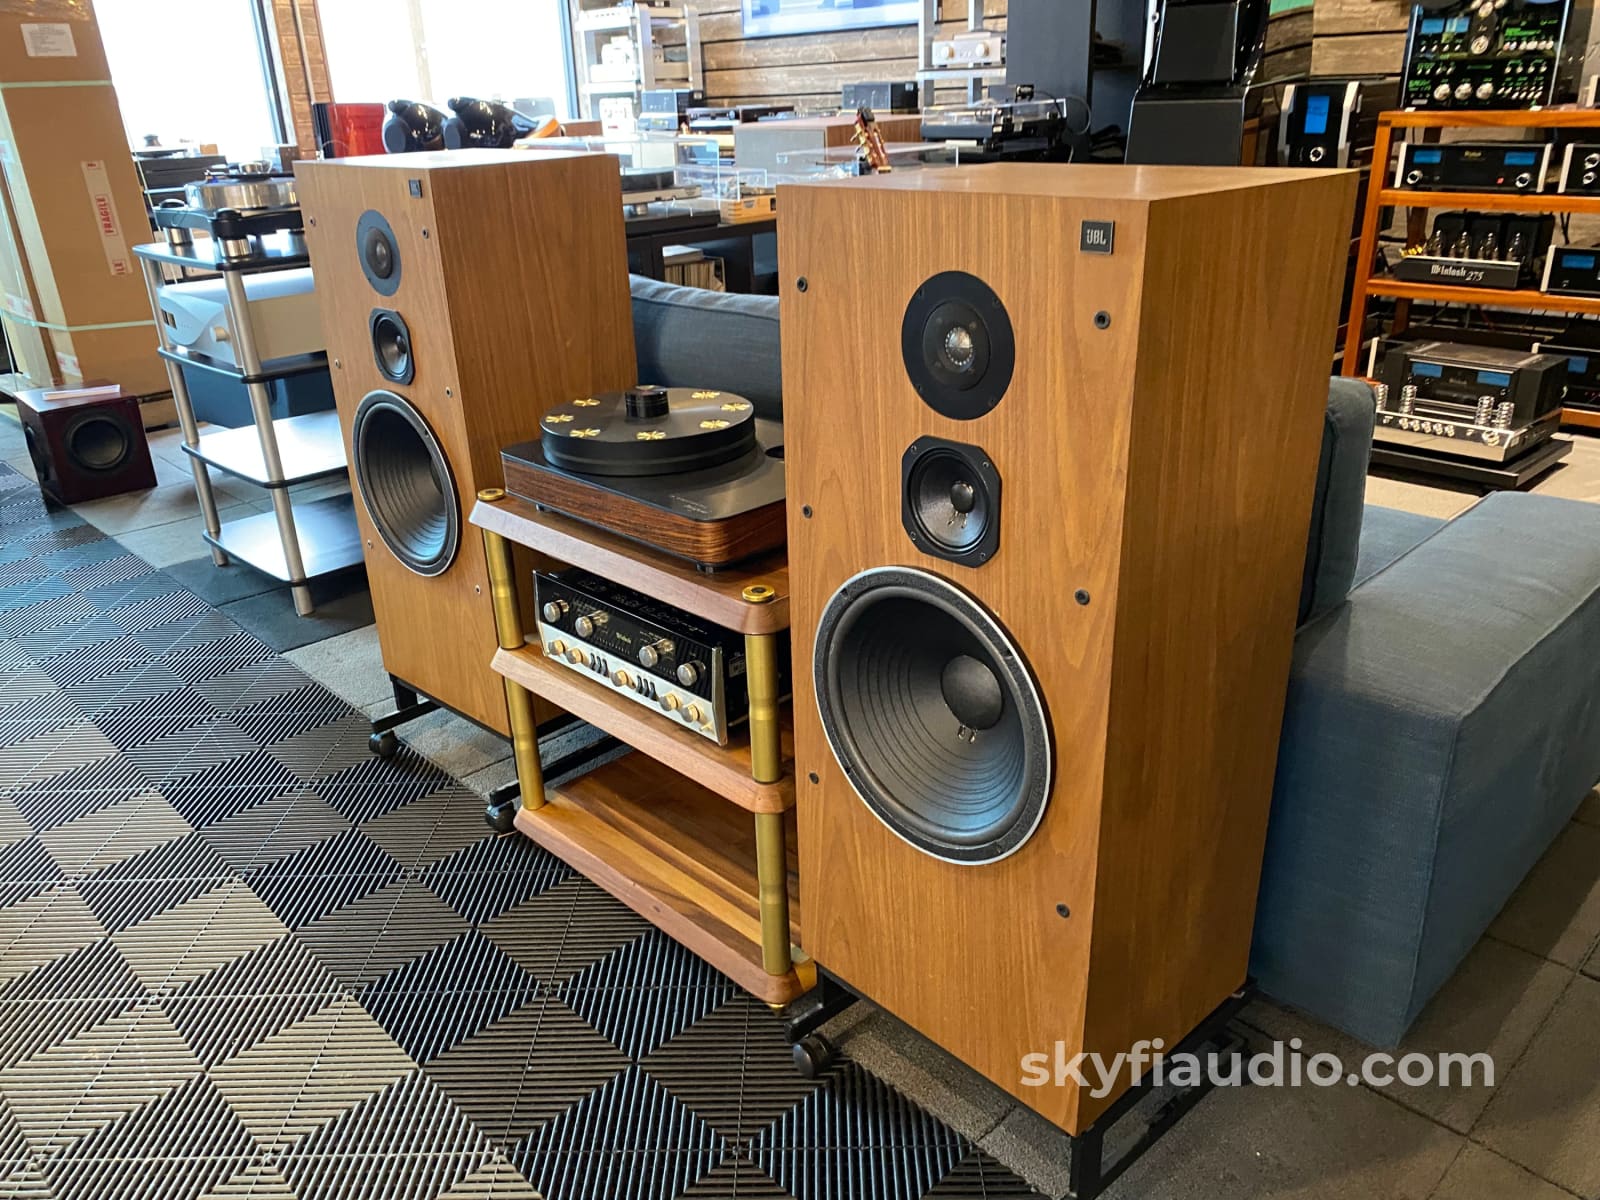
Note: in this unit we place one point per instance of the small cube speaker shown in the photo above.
(85, 447)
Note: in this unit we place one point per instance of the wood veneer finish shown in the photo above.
(514, 285)
(1164, 464)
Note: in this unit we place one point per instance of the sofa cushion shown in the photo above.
(1387, 534)
(689, 337)
(1334, 540)
(1441, 728)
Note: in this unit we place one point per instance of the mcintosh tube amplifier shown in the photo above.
(1494, 53)
(688, 671)
(1572, 271)
(1469, 401)
(1473, 167)
(1580, 169)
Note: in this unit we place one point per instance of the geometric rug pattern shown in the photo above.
(241, 957)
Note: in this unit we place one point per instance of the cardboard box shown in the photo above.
(73, 295)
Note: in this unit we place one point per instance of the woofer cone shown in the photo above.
(950, 500)
(98, 443)
(933, 715)
(958, 346)
(405, 483)
(391, 345)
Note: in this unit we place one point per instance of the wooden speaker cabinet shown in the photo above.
(1051, 439)
(464, 294)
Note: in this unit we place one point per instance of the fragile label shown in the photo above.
(69, 364)
(112, 242)
(19, 305)
(49, 41)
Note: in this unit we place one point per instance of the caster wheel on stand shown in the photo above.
(813, 1054)
(384, 744)
(501, 815)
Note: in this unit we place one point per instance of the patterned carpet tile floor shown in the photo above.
(241, 957)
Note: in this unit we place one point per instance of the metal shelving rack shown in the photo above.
(295, 542)
(929, 73)
(644, 24)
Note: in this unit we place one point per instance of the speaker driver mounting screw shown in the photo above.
(805, 511)
(813, 777)
(802, 283)
(1102, 320)
(1063, 911)
(1081, 596)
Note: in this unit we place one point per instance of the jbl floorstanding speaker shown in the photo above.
(1051, 435)
(464, 294)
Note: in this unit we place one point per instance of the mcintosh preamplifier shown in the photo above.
(1580, 169)
(689, 671)
(1472, 166)
(1572, 271)
(1494, 53)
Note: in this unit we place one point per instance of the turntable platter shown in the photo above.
(648, 431)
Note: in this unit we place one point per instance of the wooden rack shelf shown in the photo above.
(676, 854)
(697, 838)
(1379, 196)
(724, 770)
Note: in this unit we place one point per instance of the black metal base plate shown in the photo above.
(1495, 476)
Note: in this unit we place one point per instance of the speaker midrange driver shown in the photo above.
(958, 346)
(406, 484)
(391, 345)
(950, 500)
(933, 715)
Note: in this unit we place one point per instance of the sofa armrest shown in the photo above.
(1440, 729)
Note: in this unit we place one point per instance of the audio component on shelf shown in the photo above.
(283, 316)
(1580, 169)
(692, 472)
(994, 800)
(412, 126)
(1019, 129)
(644, 186)
(1469, 401)
(666, 110)
(1493, 54)
(1572, 271)
(1472, 166)
(1479, 249)
(690, 672)
(892, 97)
(1331, 123)
(440, 355)
(86, 443)
(718, 118)
(970, 48)
(1583, 371)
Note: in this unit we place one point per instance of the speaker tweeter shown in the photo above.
(405, 483)
(933, 715)
(391, 345)
(379, 252)
(958, 346)
(950, 500)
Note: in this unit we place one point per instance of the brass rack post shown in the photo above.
(508, 628)
(766, 766)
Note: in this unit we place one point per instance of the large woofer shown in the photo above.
(391, 345)
(932, 713)
(405, 482)
(950, 500)
(957, 345)
(98, 443)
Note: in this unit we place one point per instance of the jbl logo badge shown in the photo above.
(1097, 237)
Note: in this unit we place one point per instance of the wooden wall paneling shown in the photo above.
(1358, 54)
(1333, 17)
(302, 65)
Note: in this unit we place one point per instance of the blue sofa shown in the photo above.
(1443, 714)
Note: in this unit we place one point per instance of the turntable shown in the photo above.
(238, 205)
(692, 472)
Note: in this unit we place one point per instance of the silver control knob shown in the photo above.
(1318, 153)
(621, 678)
(1524, 179)
(652, 654)
(1504, 413)
(1381, 392)
(1463, 91)
(670, 702)
(689, 674)
(1485, 90)
(1485, 410)
(1588, 178)
(576, 655)
(585, 626)
(1491, 438)
(1408, 397)
(556, 648)
(1480, 44)
(692, 714)
(1414, 177)
(1442, 92)
(554, 610)
(1449, 431)
(1591, 160)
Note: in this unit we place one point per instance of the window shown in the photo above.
(434, 49)
(214, 90)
